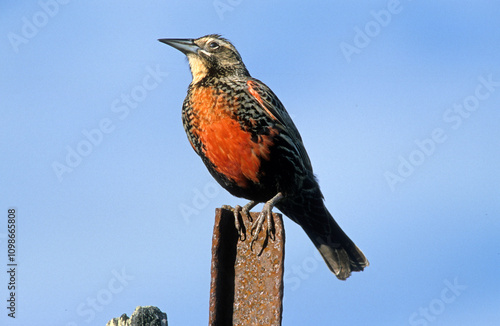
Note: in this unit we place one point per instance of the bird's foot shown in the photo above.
(244, 212)
(265, 215)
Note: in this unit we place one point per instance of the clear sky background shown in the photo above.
(398, 105)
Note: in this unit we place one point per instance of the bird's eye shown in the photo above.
(213, 45)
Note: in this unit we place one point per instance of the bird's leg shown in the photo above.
(265, 215)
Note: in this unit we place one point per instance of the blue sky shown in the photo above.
(397, 103)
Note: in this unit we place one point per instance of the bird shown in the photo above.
(252, 148)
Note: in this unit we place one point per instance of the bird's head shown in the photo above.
(210, 55)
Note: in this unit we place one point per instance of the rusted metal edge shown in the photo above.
(246, 288)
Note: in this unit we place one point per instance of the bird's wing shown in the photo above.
(274, 109)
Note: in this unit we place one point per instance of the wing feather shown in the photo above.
(274, 109)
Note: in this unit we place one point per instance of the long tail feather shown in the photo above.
(339, 252)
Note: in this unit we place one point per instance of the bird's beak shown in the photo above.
(184, 45)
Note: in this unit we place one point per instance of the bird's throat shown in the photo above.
(198, 68)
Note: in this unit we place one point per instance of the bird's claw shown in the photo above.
(265, 215)
(237, 210)
(245, 210)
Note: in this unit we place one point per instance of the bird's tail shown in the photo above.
(339, 252)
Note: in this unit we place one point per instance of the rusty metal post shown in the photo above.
(246, 288)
